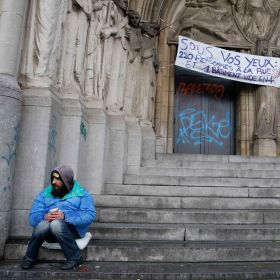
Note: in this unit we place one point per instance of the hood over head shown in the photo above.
(67, 175)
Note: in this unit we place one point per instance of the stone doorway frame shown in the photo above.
(164, 106)
(246, 110)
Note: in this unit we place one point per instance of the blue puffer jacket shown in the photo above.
(77, 205)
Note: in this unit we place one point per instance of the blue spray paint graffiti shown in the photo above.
(83, 130)
(197, 127)
(52, 136)
(11, 153)
(8, 184)
(52, 147)
(9, 157)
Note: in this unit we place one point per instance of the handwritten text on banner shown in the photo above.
(231, 65)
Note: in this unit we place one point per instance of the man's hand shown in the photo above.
(54, 215)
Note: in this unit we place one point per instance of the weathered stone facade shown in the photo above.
(91, 84)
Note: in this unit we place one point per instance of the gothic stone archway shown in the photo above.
(224, 24)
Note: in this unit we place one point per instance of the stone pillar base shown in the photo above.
(265, 147)
(117, 154)
(37, 151)
(94, 134)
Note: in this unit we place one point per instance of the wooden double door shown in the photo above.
(204, 114)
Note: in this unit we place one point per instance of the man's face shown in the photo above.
(57, 184)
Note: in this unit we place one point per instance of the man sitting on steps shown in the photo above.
(61, 213)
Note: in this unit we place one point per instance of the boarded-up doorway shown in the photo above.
(204, 115)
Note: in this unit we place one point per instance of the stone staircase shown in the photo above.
(186, 209)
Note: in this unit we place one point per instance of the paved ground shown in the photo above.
(145, 271)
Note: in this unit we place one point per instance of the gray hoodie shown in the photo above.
(67, 175)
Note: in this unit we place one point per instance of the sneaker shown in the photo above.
(72, 264)
(26, 264)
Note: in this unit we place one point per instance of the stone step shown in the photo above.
(137, 201)
(185, 216)
(185, 191)
(151, 232)
(216, 158)
(145, 271)
(164, 202)
(251, 165)
(144, 251)
(132, 179)
(183, 232)
(195, 172)
(230, 203)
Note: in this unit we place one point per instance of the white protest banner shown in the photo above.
(231, 65)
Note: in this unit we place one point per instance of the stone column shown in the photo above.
(12, 13)
(265, 128)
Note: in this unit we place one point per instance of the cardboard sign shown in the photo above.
(203, 58)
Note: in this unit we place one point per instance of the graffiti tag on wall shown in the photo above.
(196, 127)
(83, 130)
(52, 146)
(216, 90)
(52, 136)
(10, 154)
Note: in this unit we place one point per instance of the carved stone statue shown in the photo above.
(133, 78)
(141, 74)
(41, 51)
(135, 35)
(118, 33)
(150, 32)
(95, 48)
(79, 13)
(256, 20)
(266, 98)
(149, 69)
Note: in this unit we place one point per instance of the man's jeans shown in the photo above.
(55, 231)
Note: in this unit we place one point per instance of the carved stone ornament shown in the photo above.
(256, 19)
(229, 22)
(207, 21)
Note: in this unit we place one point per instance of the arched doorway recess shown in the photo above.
(221, 23)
